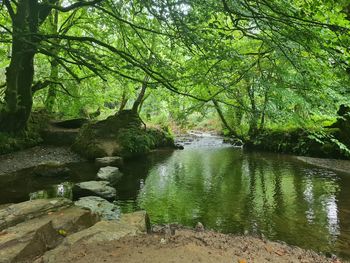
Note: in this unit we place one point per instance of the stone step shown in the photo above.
(28, 240)
(18, 213)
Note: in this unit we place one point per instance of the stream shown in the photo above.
(225, 188)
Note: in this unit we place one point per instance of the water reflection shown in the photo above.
(60, 190)
(235, 192)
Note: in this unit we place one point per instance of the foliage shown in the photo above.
(266, 64)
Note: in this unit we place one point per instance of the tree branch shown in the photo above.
(75, 5)
(10, 9)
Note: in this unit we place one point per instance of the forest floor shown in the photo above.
(37, 155)
(190, 246)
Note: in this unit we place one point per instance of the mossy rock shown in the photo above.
(121, 134)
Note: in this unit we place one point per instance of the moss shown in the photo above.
(122, 135)
(322, 143)
(28, 138)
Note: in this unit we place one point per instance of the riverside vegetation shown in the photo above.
(113, 78)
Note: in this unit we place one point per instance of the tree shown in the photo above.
(26, 19)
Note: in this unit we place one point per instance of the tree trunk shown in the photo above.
(222, 117)
(253, 122)
(139, 98)
(123, 102)
(18, 99)
(20, 72)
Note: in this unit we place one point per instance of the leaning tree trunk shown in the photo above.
(19, 74)
(225, 123)
(141, 95)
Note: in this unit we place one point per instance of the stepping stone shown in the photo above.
(98, 188)
(110, 160)
(106, 210)
(109, 173)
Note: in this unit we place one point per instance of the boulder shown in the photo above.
(27, 240)
(129, 225)
(99, 206)
(122, 134)
(99, 188)
(109, 173)
(17, 213)
(109, 160)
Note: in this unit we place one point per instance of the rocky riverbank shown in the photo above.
(56, 231)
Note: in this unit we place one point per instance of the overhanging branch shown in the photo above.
(75, 5)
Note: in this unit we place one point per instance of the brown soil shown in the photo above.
(190, 246)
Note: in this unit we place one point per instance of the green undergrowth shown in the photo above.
(136, 142)
(28, 138)
(324, 142)
(123, 134)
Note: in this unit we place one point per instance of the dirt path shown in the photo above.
(34, 156)
(189, 246)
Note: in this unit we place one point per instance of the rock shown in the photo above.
(99, 188)
(51, 169)
(179, 146)
(235, 142)
(139, 219)
(100, 206)
(30, 239)
(72, 219)
(17, 213)
(27, 241)
(109, 173)
(46, 171)
(122, 134)
(129, 225)
(110, 160)
(199, 227)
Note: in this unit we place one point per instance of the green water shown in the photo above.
(256, 193)
(226, 189)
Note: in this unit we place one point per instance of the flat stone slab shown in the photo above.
(103, 231)
(106, 210)
(98, 188)
(109, 160)
(27, 240)
(17, 213)
(109, 173)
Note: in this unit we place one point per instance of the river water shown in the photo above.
(225, 188)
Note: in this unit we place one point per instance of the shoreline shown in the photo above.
(187, 245)
(332, 164)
